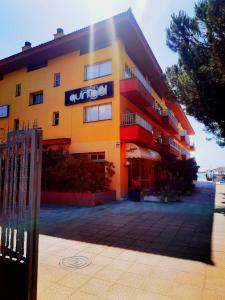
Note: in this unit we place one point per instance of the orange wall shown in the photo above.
(101, 136)
(85, 137)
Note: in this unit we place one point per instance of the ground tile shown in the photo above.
(215, 284)
(97, 287)
(101, 260)
(56, 292)
(213, 295)
(121, 292)
(131, 279)
(74, 280)
(144, 295)
(185, 292)
(191, 279)
(128, 255)
(141, 269)
(120, 264)
(157, 285)
(83, 296)
(90, 270)
(111, 252)
(109, 274)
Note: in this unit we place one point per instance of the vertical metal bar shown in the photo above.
(34, 206)
(20, 232)
(5, 201)
(14, 195)
(11, 152)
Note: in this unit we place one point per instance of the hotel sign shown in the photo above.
(4, 111)
(89, 93)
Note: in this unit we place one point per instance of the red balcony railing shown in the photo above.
(192, 147)
(170, 122)
(155, 113)
(135, 87)
(185, 154)
(135, 129)
(171, 147)
(184, 138)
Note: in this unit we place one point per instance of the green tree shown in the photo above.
(198, 79)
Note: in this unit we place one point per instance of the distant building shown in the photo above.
(100, 93)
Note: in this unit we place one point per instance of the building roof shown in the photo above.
(123, 25)
(126, 28)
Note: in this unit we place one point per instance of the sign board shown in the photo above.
(4, 111)
(89, 93)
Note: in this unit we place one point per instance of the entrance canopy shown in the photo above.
(134, 151)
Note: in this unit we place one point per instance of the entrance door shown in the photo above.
(133, 171)
(142, 169)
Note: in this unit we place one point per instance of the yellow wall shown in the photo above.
(101, 136)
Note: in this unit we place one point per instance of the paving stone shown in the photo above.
(138, 250)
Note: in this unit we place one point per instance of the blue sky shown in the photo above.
(37, 20)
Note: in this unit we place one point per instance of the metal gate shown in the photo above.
(20, 188)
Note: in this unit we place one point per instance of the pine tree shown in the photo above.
(198, 79)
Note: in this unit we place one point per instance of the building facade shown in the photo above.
(97, 92)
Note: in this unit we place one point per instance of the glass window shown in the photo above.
(36, 98)
(18, 90)
(91, 114)
(98, 157)
(57, 79)
(92, 72)
(105, 112)
(98, 70)
(98, 113)
(94, 156)
(55, 118)
(105, 68)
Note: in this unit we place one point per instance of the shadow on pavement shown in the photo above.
(181, 230)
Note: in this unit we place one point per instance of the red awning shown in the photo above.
(61, 141)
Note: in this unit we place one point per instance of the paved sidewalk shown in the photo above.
(138, 250)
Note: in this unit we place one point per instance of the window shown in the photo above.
(57, 79)
(16, 124)
(98, 113)
(94, 156)
(98, 70)
(98, 157)
(18, 90)
(36, 98)
(55, 118)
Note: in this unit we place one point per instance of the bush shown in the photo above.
(62, 172)
(180, 175)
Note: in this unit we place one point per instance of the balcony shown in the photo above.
(184, 138)
(135, 129)
(185, 154)
(171, 147)
(192, 147)
(135, 87)
(155, 113)
(170, 123)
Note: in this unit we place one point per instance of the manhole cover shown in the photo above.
(75, 262)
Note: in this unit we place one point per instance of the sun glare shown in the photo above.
(99, 11)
